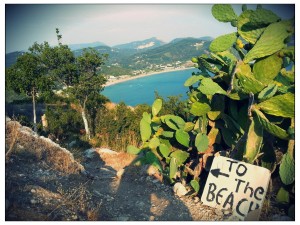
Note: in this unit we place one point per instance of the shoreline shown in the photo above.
(111, 83)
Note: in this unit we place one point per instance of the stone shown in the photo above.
(155, 181)
(179, 189)
(120, 173)
(152, 218)
(33, 191)
(227, 212)
(218, 212)
(233, 218)
(152, 170)
(33, 201)
(196, 199)
(72, 144)
(74, 217)
(106, 150)
(89, 153)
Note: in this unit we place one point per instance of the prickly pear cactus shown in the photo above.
(240, 103)
(224, 13)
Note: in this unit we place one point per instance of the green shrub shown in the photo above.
(63, 122)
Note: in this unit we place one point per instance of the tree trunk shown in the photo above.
(34, 110)
(86, 124)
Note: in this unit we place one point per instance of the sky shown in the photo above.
(114, 24)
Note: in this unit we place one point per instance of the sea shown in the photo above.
(142, 90)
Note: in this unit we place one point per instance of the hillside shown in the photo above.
(43, 182)
(141, 45)
(11, 58)
(140, 55)
(174, 52)
(74, 47)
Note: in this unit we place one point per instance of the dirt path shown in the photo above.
(136, 196)
(34, 191)
(43, 186)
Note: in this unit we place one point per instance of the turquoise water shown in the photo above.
(141, 90)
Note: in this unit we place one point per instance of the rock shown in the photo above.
(196, 199)
(233, 218)
(90, 153)
(179, 189)
(218, 212)
(33, 191)
(227, 212)
(72, 144)
(152, 170)
(74, 217)
(33, 201)
(155, 181)
(151, 218)
(109, 198)
(106, 150)
(120, 173)
(108, 170)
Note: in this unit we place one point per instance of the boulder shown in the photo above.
(179, 189)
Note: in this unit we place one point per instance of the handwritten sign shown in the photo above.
(236, 185)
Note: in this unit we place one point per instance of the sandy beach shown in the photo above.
(110, 83)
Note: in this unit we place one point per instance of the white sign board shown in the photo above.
(236, 185)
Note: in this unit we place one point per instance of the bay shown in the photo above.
(142, 90)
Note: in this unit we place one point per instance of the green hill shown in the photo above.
(181, 50)
(176, 52)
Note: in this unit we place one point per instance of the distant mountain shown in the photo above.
(183, 49)
(140, 54)
(11, 58)
(116, 55)
(86, 45)
(141, 45)
(205, 38)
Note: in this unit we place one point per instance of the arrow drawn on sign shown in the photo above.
(216, 172)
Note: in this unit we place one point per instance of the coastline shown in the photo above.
(143, 75)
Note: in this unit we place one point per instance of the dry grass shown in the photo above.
(74, 198)
(22, 140)
(13, 130)
(93, 213)
(119, 142)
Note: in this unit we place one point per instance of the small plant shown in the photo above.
(240, 104)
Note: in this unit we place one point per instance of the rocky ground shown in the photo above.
(43, 182)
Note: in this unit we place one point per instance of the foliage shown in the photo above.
(242, 98)
(119, 127)
(86, 90)
(29, 76)
(63, 122)
(116, 71)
